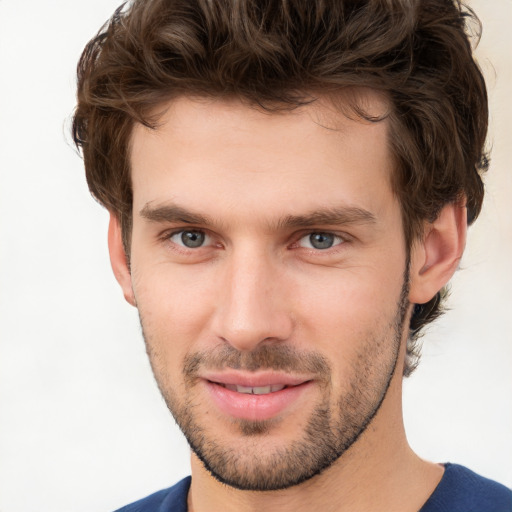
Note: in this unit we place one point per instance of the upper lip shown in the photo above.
(258, 379)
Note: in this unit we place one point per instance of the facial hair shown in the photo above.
(329, 431)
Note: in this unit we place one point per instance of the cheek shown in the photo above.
(344, 309)
(175, 306)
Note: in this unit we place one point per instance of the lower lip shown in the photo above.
(255, 407)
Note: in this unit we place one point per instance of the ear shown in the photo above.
(118, 259)
(436, 257)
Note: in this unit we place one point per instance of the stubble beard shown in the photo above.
(329, 431)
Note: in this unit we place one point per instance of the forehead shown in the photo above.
(211, 153)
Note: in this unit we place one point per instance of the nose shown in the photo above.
(252, 305)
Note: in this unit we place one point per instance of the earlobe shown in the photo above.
(435, 258)
(118, 259)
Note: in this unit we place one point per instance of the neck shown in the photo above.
(379, 468)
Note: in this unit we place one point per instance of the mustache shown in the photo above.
(265, 357)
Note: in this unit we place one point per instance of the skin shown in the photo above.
(257, 289)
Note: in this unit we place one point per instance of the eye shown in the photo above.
(320, 241)
(190, 239)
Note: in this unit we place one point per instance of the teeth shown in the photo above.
(262, 390)
(258, 390)
(244, 389)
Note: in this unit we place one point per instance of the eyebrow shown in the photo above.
(329, 216)
(173, 213)
(346, 215)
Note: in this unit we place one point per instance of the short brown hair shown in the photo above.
(277, 54)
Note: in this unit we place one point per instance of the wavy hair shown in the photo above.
(277, 55)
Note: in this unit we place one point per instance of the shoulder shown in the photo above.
(173, 499)
(462, 490)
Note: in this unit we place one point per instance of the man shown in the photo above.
(289, 185)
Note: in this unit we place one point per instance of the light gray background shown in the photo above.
(82, 426)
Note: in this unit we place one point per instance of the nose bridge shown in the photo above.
(251, 308)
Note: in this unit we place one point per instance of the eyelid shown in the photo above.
(169, 234)
(340, 239)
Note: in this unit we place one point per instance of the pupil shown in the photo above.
(321, 240)
(192, 238)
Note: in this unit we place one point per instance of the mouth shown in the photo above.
(256, 397)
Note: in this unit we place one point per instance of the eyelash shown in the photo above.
(339, 240)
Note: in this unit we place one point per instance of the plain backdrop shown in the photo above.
(82, 425)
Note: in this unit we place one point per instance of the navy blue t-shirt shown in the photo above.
(460, 490)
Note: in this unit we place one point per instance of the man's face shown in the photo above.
(268, 265)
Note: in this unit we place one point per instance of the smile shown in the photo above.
(255, 397)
